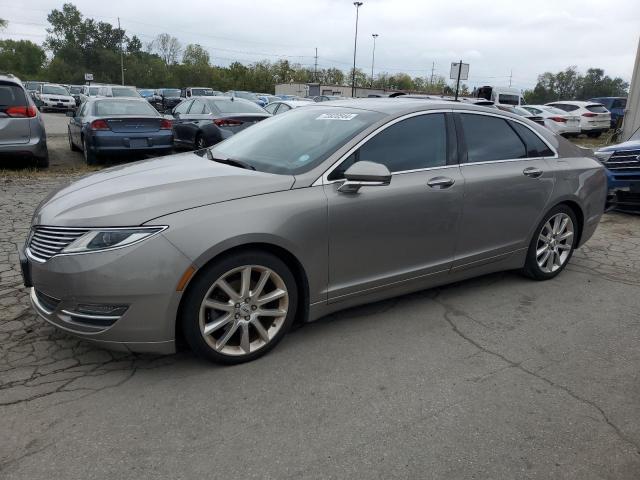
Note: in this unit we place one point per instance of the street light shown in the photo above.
(373, 57)
(355, 46)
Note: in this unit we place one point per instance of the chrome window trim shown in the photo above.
(324, 180)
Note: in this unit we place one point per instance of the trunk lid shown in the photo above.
(134, 124)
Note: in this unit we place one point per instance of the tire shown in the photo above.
(89, 157)
(228, 316)
(72, 145)
(43, 162)
(561, 244)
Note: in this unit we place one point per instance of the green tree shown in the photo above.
(21, 57)
(195, 55)
(167, 47)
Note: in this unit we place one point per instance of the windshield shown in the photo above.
(170, 92)
(123, 107)
(124, 92)
(298, 141)
(509, 99)
(75, 90)
(235, 106)
(202, 92)
(54, 90)
(146, 93)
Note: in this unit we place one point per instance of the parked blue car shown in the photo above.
(107, 126)
(615, 105)
(622, 162)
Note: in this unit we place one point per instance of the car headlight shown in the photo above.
(603, 156)
(103, 239)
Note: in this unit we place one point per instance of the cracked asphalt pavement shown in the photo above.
(498, 377)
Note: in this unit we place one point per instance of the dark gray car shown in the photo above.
(22, 133)
(329, 206)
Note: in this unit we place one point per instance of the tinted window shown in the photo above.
(183, 107)
(509, 99)
(197, 107)
(490, 138)
(202, 92)
(566, 107)
(619, 103)
(124, 92)
(235, 106)
(128, 107)
(170, 92)
(597, 109)
(11, 96)
(535, 146)
(54, 90)
(75, 90)
(414, 143)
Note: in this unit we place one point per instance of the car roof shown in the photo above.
(399, 105)
(8, 77)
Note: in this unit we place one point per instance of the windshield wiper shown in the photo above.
(230, 161)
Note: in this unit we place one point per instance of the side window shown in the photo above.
(271, 108)
(490, 138)
(411, 144)
(535, 146)
(183, 107)
(197, 107)
(283, 108)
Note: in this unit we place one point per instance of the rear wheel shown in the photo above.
(200, 143)
(552, 245)
(89, 157)
(239, 307)
(43, 162)
(72, 145)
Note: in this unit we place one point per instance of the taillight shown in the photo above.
(165, 124)
(21, 112)
(589, 114)
(224, 122)
(558, 119)
(99, 125)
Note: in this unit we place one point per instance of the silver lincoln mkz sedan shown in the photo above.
(303, 214)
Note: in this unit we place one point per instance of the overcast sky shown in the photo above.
(526, 37)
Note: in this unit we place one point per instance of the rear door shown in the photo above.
(507, 186)
(194, 119)
(14, 115)
(180, 120)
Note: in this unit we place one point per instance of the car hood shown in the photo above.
(628, 145)
(47, 96)
(136, 193)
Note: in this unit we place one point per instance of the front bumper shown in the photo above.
(62, 106)
(624, 191)
(140, 279)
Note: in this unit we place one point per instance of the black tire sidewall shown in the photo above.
(532, 269)
(190, 310)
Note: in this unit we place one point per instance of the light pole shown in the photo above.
(373, 56)
(355, 46)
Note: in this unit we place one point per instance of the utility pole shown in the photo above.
(315, 68)
(373, 57)
(433, 68)
(458, 79)
(121, 54)
(510, 77)
(355, 46)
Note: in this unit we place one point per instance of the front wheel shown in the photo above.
(552, 245)
(239, 308)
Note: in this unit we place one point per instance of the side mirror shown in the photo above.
(175, 114)
(365, 174)
(70, 113)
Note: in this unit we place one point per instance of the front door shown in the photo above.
(403, 231)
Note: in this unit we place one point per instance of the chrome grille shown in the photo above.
(45, 242)
(624, 160)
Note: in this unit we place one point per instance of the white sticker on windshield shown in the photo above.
(337, 116)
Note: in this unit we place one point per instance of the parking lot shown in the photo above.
(497, 377)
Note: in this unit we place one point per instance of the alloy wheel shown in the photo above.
(555, 243)
(243, 310)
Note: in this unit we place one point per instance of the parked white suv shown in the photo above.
(54, 97)
(594, 117)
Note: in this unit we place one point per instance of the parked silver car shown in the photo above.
(22, 133)
(329, 206)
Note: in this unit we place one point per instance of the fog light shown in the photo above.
(101, 309)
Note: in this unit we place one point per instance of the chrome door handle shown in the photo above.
(532, 172)
(440, 182)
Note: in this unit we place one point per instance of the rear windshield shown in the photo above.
(554, 110)
(235, 106)
(11, 96)
(124, 92)
(566, 107)
(509, 99)
(132, 107)
(170, 92)
(202, 92)
(597, 109)
(54, 90)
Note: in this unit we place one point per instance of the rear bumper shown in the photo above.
(37, 147)
(112, 142)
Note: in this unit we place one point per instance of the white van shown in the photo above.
(500, 95)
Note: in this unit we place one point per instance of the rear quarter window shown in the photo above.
(11, 96)
(535, 146)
